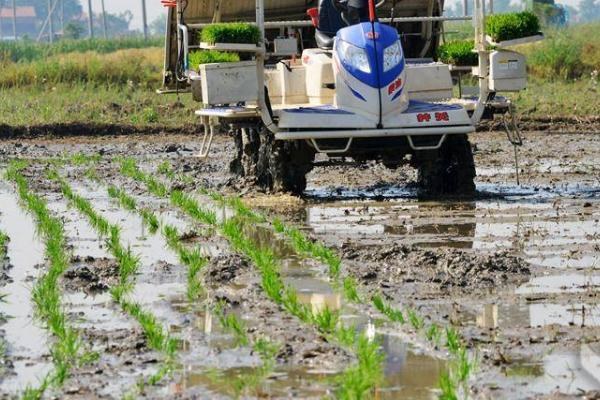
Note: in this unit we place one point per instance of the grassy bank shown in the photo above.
(94, 104)
(27, 51)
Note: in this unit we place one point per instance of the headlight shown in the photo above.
(353, 56)
(392, 56)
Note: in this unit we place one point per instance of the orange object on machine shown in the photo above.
(313, 13)
(169, 3)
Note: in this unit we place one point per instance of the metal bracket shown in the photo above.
(209, 133)
(332, 151)
(513, 133)
(421, 148)
(511, 127)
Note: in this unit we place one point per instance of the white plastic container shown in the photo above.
(508, 71)
(229, 83)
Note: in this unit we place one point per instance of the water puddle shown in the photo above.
(568, 372)
(27, 341)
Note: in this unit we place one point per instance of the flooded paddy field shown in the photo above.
(171, 289)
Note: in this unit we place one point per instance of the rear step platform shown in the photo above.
(419, 114)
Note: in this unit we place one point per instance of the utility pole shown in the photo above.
(51, 24)
(14, 18)
(90, 20)
(104, 29)
(145, 18)
(1, 7)
(62, 16)
(465, 8)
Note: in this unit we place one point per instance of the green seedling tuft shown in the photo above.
(326, 320)
(447, 387)
(415, 320)
(387, 310)
(434, 334)
(452, 340)
(233, 324)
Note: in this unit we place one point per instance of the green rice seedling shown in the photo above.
(193, 259)
(190, 206)
(350, 287)
(452, 340)
(510, 26)
(346, 335)
(459, 52)
(81, 159)
(295, 307)
(448, 388)
(358, 381)
(230, 32)
(165, 168)
(130, 204)
(4, 239)
(434, 334)
(326, 320)
(415, 320)
(66, 349)
(387, 310)
(233, 324)
(157, 337)
(198, 58)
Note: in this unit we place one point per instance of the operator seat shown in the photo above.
(330, 22)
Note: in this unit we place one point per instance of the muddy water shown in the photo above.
(27, 340)
(557, 231)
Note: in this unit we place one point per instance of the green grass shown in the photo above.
(67, 349)
(82, 103)
(565, 54)
(157, 336)
(26, 51)
(198, 58)
(141, 67)
(510, 26)
(231, 32)
(458, 52)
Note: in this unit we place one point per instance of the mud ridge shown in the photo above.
(445, 268)
(88, 129)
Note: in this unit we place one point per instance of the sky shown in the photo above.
(154, 8)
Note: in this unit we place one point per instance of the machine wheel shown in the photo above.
(274, 165)
(449, 170)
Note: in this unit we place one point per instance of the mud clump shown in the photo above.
(225, 269)
(445, 268)
(91, 275)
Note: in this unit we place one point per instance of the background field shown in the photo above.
(115, 81)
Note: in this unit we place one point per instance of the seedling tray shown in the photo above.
(515, 42)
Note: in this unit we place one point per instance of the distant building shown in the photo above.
(27, 22)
